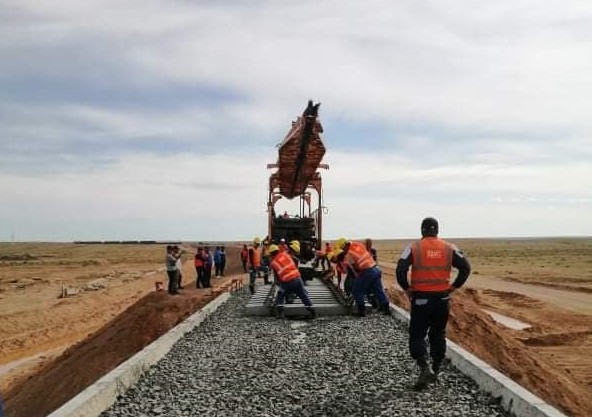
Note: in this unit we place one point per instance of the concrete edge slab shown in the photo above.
(102, 394)
(515, 398)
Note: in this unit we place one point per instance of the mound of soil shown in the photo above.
(473, 329)
(82, 364)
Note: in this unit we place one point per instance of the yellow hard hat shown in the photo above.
(340, 243)
(273, 248)
(295, 246)
(256, 241)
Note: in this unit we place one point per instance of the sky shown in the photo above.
(153, 119)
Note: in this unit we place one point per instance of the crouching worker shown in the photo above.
(288, 277)
(368, 275)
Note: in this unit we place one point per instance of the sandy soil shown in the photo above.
(51, 348)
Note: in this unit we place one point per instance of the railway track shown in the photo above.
(252, 365)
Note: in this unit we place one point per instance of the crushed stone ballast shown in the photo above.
(239, 365)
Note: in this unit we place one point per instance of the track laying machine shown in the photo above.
(297, 176)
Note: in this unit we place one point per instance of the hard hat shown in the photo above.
(340, 243)
(282, 240)
(273, 248)
(256, 241)
(429, 227)
(295, 246)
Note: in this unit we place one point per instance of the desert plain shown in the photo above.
(52, 347)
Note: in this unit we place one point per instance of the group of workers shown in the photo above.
(427, 286)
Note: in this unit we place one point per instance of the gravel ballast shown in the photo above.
(233, 365)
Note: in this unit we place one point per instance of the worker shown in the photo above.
(199, 268)
(244, 257)
(255, 265)
(368, 275)
(208, 262)
(283, 245)
(430, 259)
(328, 250)
(171, 269)
(369, 248)
(288, 276)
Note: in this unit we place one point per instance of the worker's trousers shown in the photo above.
(369, 279)
(173, 281)
(429, 315)
(253, 274)
(295, 286)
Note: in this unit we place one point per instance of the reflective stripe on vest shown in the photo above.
(284, 266)
(361, 259)
(432, 261)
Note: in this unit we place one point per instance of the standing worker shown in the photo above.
(368, 275)
(244, 257)
(370, 249)
(171, 269)
(222, 260)
(199, 268)
(288, 276)
(431, 260)
(207, 275)
(255, 265)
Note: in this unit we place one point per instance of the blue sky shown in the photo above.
(156, 119)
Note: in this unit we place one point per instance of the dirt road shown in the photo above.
(579, 302)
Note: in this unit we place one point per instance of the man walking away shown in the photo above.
(430, 260)
(171, 268)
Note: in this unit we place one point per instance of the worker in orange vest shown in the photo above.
(244, 257)
(288, 277)
(430, 259)
(256, 265)
(368, 275)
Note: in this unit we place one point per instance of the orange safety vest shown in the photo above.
(198, 261)
(359, 258)
(432, 261)
(256, 261)
(285, 267)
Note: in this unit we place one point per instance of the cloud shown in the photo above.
(465, 109)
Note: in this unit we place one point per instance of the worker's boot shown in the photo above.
(252, 288)
(426, 376)
(386, 309)
(279, 312)
(313, 312)
(436, 367)
(360, 311)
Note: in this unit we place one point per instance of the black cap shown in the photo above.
(429, 227)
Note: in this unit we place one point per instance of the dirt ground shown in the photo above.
(51, 348)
